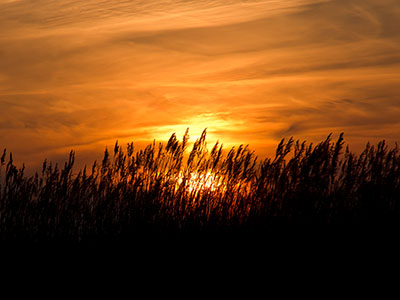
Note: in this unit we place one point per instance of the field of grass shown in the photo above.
(168, 191)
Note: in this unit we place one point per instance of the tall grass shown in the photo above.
(166, 190)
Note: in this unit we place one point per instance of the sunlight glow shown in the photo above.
(201, 182)
(213, 122)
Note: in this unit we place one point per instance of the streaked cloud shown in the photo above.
(84, 73)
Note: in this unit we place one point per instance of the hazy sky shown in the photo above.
(81, 74)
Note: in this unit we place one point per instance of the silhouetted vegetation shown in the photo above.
(163, 192)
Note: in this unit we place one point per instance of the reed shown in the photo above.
(165, 190)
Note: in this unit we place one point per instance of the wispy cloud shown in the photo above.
(147, 15)
(84, 73)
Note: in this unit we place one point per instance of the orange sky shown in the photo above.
(81, 74)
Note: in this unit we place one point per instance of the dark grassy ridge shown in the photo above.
(163, 193)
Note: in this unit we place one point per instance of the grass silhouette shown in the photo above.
(166, 191)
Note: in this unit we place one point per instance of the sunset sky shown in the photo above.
(82, 74)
